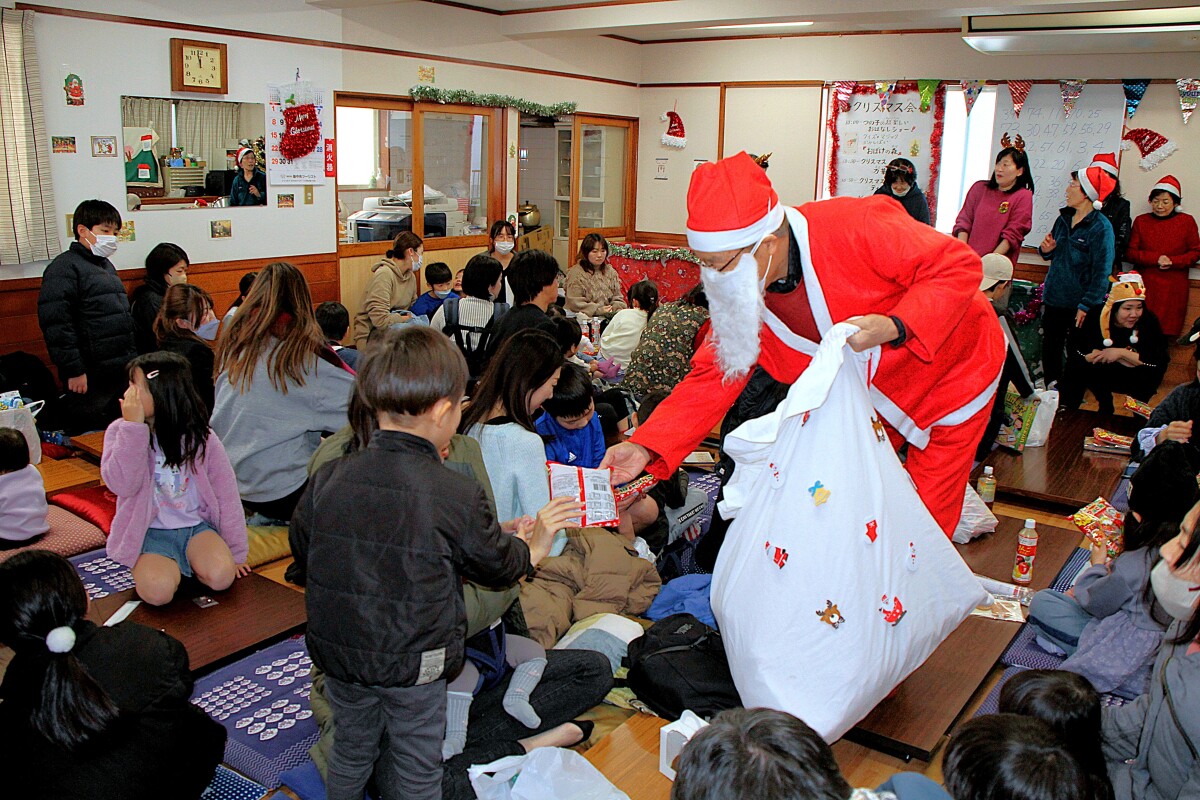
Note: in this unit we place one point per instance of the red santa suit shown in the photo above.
(867, 256)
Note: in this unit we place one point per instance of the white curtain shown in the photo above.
(148, 112)
(28, 227)
(207, 129)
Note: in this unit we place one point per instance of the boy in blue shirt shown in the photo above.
(441, 283)
(570, 425)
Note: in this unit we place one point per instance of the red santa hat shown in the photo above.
(1168, 183)
(731, 205)
(242, 152)
(675, 136)
(1152, 146)
(1106, 162)
(1128, 286)
(1097, 185)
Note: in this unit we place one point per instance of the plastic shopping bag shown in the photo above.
(22, 418)
(976, 520)
(1039, 431)
(834, 582)
(548, 773)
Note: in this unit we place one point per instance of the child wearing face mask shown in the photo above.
(166, 265)
(83, 312)
(441, 283)
(185, 325)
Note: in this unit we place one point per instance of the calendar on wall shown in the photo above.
(295, 134)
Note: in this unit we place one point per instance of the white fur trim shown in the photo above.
(1088, 189)
(723, 241)
(674, 141)
(1108, 342)
(60, 639)
(1168, 187)
(1152, 160)
(1096, 204)
(1104, 165)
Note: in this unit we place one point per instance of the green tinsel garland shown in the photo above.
(426, 93)
(653, 254)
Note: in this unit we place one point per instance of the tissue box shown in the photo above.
(672, 738)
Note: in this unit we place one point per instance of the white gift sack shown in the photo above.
(834, 582)
(547, 773)
(976, 520)
(1043, 420)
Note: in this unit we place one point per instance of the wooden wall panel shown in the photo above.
(19, 328)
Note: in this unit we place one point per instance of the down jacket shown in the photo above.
(84, 315)
(598, 572)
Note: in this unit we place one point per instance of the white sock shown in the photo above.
(525, 679)
(458, 709)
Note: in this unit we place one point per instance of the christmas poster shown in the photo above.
(295, 134)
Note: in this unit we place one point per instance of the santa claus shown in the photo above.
(777, 278)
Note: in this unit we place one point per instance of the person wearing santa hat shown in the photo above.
(1120, 348)
(1115, 208)
(1080, 250)
(778, 278)
(1164, 244)
(250, 184)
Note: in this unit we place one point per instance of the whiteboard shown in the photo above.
(784, 121)
(1057, 144)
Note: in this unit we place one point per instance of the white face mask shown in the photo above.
(442, 295)
(176, 280)
(901, 194)
(208, 331)
(104, 246)
(736, 308)
(504, 248)
(416, 263)
(1177, 596)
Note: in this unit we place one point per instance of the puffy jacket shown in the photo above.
(598, 572)
(387, 534)
(144, 304)
(84, 314)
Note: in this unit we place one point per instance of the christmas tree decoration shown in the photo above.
(1135, 89)
(1152, 146)
(674, 136)
(884, 89)
(1019, 90)
(1189, 94)
(842, 90)
(971, 90)
(427, 93)
(927, 89)
(1070, 91)
(661, 255)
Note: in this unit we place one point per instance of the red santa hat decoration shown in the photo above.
(242, 153)
(731, 204)
(1106, 162)
(1097, 184)
(674, 136)
(1129, 286)
(1153, 146)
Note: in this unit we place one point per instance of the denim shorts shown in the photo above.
(172, 543)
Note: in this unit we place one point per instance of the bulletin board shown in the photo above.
(1058, 144)
(864, 134)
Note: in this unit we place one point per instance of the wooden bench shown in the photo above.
(254, 612)
(1061, 476)
(67, 473)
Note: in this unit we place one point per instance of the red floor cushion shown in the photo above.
(97, 505)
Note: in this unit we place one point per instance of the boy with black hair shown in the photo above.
(23, 509)
(83, 312)
(570, 425)
(441, 283)
(533, 278)
(569, 334)
(334, 319)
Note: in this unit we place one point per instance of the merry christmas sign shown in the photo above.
(295, 140)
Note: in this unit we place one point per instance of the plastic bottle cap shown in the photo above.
(1029, 523)
(987, 470)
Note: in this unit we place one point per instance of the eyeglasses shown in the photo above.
(723, 267)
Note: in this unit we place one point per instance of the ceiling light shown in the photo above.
(756, 25)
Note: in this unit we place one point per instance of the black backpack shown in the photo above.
(678, 664)
(454, 328)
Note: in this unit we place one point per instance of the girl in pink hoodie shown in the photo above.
(178, 510)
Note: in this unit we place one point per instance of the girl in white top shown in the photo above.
(624, 332)
(520, 377)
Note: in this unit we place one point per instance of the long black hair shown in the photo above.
(524, 362)
(180, 417)
(1070, 705)
(1024, 180)
(40, 591)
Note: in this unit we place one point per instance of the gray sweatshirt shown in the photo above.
(270, 436)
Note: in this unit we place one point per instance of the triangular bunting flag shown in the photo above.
(1135, 88)
(842, 90)
(1189, 94)
(971, 90)
(1019, 90)
(884, 89)
(1070, 90)
(927, 89)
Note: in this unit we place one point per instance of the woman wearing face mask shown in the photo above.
(1163, 246)
(392, 289)
(502, 246)
(185, 325)
(997, 214)
(1151, 743)
(900, 183)
(166, 265)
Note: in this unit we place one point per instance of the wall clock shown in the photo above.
(199, 66)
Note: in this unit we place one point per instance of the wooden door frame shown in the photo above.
(629, 215)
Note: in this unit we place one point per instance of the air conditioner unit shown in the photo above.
(1164, 30)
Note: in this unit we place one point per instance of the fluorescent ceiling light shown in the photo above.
(756, 25)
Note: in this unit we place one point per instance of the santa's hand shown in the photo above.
(874, 330)
(627, 460)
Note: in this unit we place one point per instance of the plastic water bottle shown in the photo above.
(987, 487)
(1027, 541)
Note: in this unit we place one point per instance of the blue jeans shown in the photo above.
(1059, 618)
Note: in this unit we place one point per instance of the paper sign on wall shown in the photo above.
(307, 169)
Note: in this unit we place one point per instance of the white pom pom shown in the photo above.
(60, 640)
(1108, 342)
(1133, 339)
(1096, 204)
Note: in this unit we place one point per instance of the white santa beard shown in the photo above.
(735, 306)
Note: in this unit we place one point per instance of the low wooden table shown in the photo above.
(628, 757)
(910, 723)
(67, 473)
(1061, 476)
(91, 444)
(254, 612)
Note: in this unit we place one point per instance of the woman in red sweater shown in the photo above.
(1163, 245)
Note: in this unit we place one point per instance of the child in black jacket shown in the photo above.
(386, 620)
